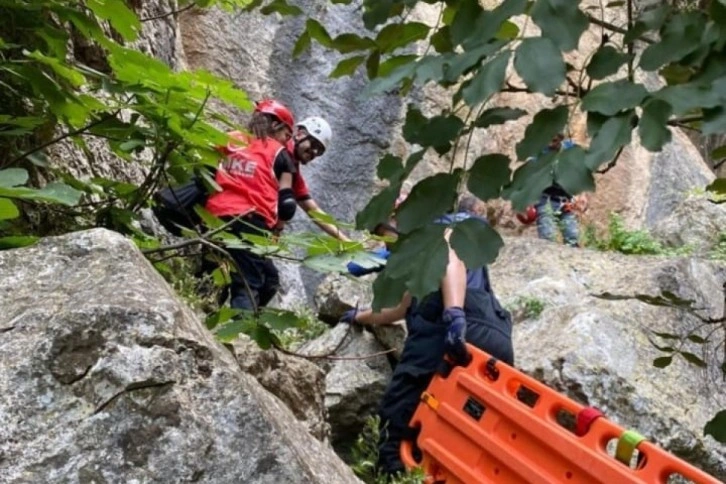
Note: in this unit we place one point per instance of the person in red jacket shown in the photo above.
(256, 179)
(310, 140)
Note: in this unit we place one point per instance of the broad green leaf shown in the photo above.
(229, 332)
(464, 22)
(488, 175)
(681, 36)
(441, 40)
(53, 192)
(56, 39)
(327, 263)
(394, 36)
(318, 32)
(662, 361)
(487, 81)
(507, 31)
(653, 130)
(301, 44)
(716, 427)
(476, 242)
(280, 319)
(686, 97)
(13, 177)
(437, 132)
(8, 210)
(529, 181)
(420, 257)
(495, 23)
(372, 63)
(387, 291)
(571, 173)
(545, 125)
(346, 43)
(540, 64)
(616, 132)
(376, 12)
(66, 72)
(606, 62)
(714, 121)
(392, 63)
(716, 154)
(676, 74)
(649, 19)
(498, 116)
(461, 63)
(610, 98)
(281, 7)
(561, 21)
(379, 209)
(390, 168)
(390, 81)
(347, 67)
(17, 241)
(429, 199)
(121, 18)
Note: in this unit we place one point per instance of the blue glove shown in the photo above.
(348, 317)
(455, 342)
(358, 270)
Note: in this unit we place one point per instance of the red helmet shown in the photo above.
(277, 109)
(528, 216)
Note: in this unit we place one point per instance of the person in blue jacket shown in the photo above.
(463, 310)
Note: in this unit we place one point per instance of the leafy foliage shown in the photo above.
(633, 242)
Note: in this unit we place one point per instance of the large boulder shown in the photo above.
(594, 333)
(697, 222)
(107, 377)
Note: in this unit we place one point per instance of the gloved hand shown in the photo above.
(348, 317)
(455, 342)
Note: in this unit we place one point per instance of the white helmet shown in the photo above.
(318, 128)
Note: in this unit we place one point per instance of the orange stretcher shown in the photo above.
(489, 423)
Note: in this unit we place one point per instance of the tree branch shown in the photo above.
(168, 14)
(616, 29)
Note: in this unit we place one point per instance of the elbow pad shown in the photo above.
(286, 204)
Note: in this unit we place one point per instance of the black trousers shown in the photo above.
(489, 327)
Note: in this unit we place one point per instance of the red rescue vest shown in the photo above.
(248, 181)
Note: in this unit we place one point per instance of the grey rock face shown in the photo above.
(106, 377)
(695, 221)
(356, 376)
(599, 351)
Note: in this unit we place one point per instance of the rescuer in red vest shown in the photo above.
(256, 179)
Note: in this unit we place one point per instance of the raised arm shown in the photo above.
(309, 205)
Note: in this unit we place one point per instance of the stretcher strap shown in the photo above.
(627, 445)
(430, 400)
(585, 418)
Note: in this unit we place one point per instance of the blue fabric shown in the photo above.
(358, 270)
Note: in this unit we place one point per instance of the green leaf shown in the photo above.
(346, 43)
(75, 78)
(390, 168)
(540, 64)
(420, 258)
(8, 210)
(606, 62)
(529, 181)
(681, 36)
(718, 153)
(441, 40)
(488, 175)
(507, 31)
(694, 338)
(561, 21)
(437, 132)
(693, 359)
(279, 319)
(376, 12)
(318, 32)
(372, 64)
(487, 81)
(714, 121)
(301, 44)
(495, 23)
(662, 361)
(347, 67)
(498, 116)
(281, 7)
(393, 63)
(666, 335)
(716, 427)
(379, 209)
(614, 133)
(229, 332)
(476, 242)
(545, 125)
(572, 173)
(430, 198)
(394, 36)
(462, 63)
(17, 241)
(13, 177)
(610, 98)
(687, 97)
(653, 130)
(387, 291)
(122, 19)
(464, 23)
